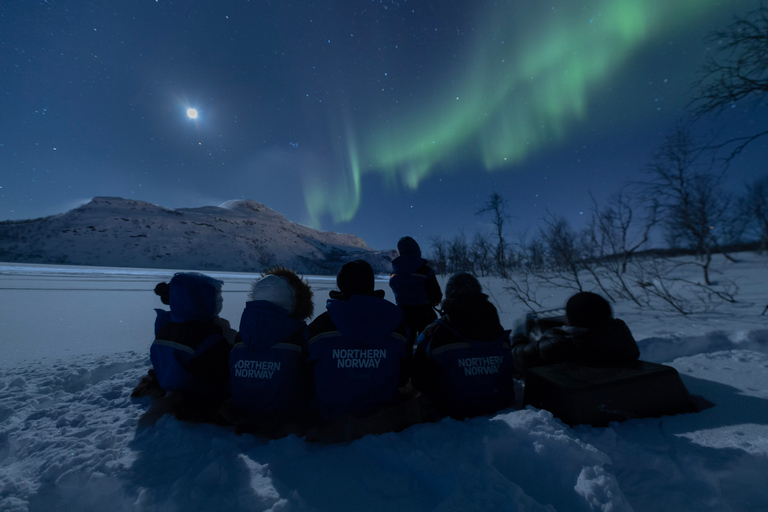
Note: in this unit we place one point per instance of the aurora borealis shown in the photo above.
(376, 118)
(526, 81)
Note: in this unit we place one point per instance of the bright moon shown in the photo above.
(191, 113)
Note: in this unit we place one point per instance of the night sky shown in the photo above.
(378, 118)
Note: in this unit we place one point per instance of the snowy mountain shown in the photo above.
(241, 236)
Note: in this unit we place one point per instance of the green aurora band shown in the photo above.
(525, 83)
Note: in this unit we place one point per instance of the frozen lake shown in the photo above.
(66, 300)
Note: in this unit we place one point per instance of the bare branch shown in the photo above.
(735, 70)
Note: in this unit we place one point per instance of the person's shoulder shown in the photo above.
(299, 337)
(621, 330)
(192, 334)
(613, 327)
(557, 335)
(321, 320)
(440, 333)
(432, 328)
(319, 325)
(425, 269)
(486, 308)
(618, 323)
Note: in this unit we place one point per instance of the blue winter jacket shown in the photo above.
(463, 362)
(190, 353)
(414, 282)
(473, 377)
(162, 319)
(358, 351)
(267, 365)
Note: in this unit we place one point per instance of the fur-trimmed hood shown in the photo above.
(303, 308)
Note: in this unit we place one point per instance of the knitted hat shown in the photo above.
(462, 283)
(355, 278)
(194, 296)
(588, 310)
(275, 289)
(407, 246)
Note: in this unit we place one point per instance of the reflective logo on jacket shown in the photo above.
(357, 365)
(268, 366)
(475, 376)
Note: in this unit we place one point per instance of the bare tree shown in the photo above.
(459, 258)
(531, 253)
(525, 288)
(754, 208)
(530, 263)
(736, 69)
(662, 287)
(497, 207)
(624, 226)
(482, 254)
(439, 257)
(616, 233)
(652, 276)
(690, 198)
(565, 251)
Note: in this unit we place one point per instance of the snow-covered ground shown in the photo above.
(75, 342)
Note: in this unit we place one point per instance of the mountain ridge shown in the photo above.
(239, 235)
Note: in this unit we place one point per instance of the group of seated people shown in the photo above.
(365, 359)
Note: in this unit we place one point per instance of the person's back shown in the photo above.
(357, 348)
(463, 362)
(592, 338)
(268, 362)
(190, 351)
(415, 286)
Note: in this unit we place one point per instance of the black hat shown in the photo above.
(408, 246)
(588, 310)
(462, 283)
(355, 278)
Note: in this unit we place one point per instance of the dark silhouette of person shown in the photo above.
(592, 337)
(415, 286)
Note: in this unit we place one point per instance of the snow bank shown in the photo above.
(69, 438)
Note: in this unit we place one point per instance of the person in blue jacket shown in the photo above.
(357, 348)
(415, 286)
(463, 361)
(268, 364)
(190, 353)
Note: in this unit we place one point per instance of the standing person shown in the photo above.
(415, 286)
(592, 338)
(463, 361)
(268, 364)
(357, 348)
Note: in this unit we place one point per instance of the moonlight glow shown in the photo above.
(192, 113)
